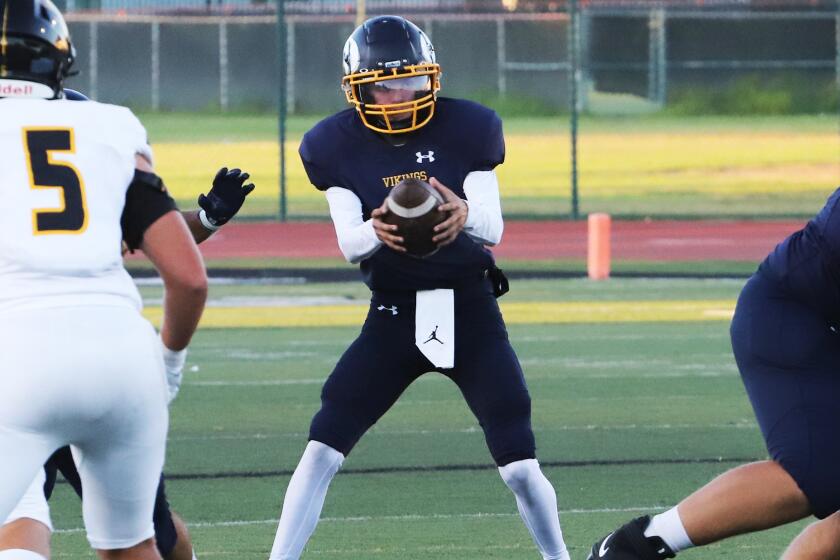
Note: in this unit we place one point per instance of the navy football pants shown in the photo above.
(62, 461)
(383, 361)
(789, 359)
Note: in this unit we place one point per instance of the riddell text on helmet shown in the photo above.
(14, 89)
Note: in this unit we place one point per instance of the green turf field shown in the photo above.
(631, 412)
(635, 165)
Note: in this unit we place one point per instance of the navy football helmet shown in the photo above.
(390, 75)
(35, 45)
(73, 95)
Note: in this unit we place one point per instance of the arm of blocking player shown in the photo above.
(171, 248)
(169, 245)
(151, 223)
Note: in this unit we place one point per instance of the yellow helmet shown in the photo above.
(390, 75)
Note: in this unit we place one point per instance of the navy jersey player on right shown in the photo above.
(786, 340)
(433, 314)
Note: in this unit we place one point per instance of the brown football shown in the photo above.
(413, 208)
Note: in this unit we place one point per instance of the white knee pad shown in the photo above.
(19, 554)
(537, 504)
(322, 457)
(517, 474)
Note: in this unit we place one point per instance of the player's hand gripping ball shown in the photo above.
(414, 207)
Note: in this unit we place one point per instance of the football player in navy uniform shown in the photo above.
(787, 346)
(398, 128)
(26, 532)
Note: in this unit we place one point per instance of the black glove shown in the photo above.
(226, 196)
(500, 283)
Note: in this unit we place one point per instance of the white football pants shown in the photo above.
(33, 504)
(91, 377)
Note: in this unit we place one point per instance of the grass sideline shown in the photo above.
(629, 417)
(651, 165)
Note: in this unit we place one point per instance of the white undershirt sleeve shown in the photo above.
(356, 237)
(484, 220)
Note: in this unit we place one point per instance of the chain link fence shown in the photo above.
(644, 48)
(641, 73)
(415, 6)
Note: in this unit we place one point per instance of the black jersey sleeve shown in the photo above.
(145, 202)
(489, 150)
(315, 150)
(318, 175)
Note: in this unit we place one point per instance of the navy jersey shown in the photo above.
(462, 137)
(807, 263)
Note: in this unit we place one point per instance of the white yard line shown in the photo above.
(476, 429)
(265, 383)
(406, 517)
(671, 372)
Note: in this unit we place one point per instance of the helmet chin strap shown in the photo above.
(22, 89)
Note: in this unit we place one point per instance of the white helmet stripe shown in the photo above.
(351, 58)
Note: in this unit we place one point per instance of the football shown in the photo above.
(413, 207)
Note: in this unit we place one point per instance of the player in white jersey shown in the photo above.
(81, 365)
(29, 525)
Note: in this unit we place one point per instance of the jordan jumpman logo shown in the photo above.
(433, 336)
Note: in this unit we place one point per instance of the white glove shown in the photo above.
(174, 361)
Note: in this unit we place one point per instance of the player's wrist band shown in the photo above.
(174, 359)
(205, 221)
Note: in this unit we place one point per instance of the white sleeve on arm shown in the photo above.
(356, 237)
(484, 220)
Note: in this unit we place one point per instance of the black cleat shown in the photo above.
(630, 543)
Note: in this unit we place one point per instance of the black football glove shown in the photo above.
(499, 280)
(226, 196)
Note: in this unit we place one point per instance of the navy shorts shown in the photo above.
(383, 361)
(62, 461)
(789, 358)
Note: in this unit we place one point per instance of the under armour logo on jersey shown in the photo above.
(430, 156)
(392, 309)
